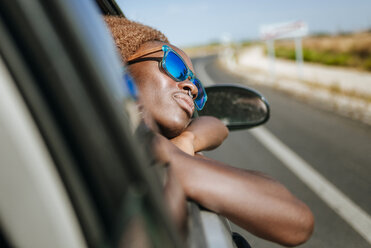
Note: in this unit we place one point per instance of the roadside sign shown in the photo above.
(287, 30)
(284, 30)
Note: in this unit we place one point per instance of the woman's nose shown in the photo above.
(188, 86)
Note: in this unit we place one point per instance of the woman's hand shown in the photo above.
(204, 133)
(209, 133)
(185, 142)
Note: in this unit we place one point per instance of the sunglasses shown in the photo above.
(175, 67)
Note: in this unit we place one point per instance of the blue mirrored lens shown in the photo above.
(201, 96)
(131, 86)
(175, 66)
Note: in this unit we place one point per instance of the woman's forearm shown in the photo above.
(254, 201)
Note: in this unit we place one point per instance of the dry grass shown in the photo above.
(202, 50)
(351, 50)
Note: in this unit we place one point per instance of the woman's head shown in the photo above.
(169, 103)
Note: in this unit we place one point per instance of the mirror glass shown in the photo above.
(239, 107)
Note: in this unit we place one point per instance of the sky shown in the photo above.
(192, 22)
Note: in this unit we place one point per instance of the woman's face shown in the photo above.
(167, 101)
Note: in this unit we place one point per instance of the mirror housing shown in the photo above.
(239, 107)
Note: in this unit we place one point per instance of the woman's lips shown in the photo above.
(185, 102)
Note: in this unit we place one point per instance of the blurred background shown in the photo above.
(312, 61)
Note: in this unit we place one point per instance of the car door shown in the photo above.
(61, 70)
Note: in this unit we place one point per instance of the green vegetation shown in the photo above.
(323, 57)
(328, 57)
(348, 50)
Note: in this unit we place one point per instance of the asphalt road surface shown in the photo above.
(336, 148)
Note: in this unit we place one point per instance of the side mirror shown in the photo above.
(237, 106)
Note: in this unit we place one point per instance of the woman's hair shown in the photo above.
(129, 35)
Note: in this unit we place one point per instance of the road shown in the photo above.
(339, 149)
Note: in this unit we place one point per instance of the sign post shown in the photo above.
(288, 30)
(299, 56)
(272, 56)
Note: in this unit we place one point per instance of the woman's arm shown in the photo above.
(251, 199)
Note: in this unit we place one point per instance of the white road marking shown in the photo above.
(333, 197)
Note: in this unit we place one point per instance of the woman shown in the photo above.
(169, 96)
